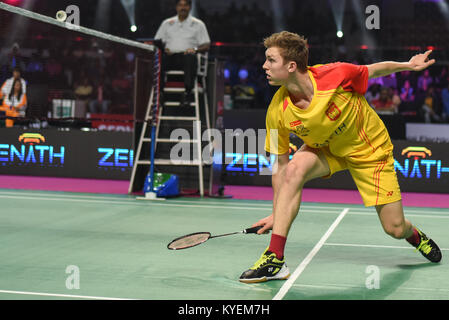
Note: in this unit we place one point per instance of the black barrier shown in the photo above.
(420, 166)
(66, 153)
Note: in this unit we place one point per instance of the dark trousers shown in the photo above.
(185, 62)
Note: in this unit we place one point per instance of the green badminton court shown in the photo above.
(59, 245)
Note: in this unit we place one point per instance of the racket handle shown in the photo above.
(252, 230)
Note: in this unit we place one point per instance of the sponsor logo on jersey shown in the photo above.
(332, 112)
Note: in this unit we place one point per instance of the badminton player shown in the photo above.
(325, 106)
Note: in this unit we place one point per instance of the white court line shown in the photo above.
(140, 204)
(254, 206)
(144, 204)
(312, 209)
(373, 246)
(346, 286)
(209, 204)
(406, 214)
(132, 199)
(287, 285)
(60, 295)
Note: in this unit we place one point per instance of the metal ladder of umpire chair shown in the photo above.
(197, 90)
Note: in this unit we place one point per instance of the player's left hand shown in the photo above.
(421, 61)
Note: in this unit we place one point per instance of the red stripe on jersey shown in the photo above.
(367, 140)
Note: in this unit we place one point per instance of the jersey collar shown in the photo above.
(312, 103)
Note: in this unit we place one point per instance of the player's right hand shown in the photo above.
(266, 224)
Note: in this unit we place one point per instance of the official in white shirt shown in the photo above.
(183, 36)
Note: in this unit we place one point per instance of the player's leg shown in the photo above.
(378, 185)
(392, 218)
(306, 164)
(396, 225)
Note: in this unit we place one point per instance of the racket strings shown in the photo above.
(189, 241)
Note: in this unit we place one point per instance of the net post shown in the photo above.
(155, 111)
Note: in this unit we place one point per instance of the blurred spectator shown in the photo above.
(244, 92)
(424, 81)
(8, 84)
(120, 83)
(53, 68)
(379, 81)
(404, 76)
(120, 91)
(14, 103)
(35, 71)
(69, 66)
(102, 98)
(430, 106)
(407, 92)
(384, 102)
(35, 64)
(84, 90)
(390, 81)
(445, 102)
(15, 59)
(395, 97)
(373, 92)
(443, 79)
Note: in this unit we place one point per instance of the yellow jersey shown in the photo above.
(338, 117)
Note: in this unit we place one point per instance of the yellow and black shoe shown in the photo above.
(428, 248)
(268, 267)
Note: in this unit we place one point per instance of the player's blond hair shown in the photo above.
(293, 47)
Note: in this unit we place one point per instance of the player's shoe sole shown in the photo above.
(283, 274)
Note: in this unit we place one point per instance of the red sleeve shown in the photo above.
(350, 77)
(355, 77)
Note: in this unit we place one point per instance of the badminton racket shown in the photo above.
(197, 238)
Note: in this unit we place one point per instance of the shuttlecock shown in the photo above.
(61, 15)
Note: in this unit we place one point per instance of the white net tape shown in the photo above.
(72, 27)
